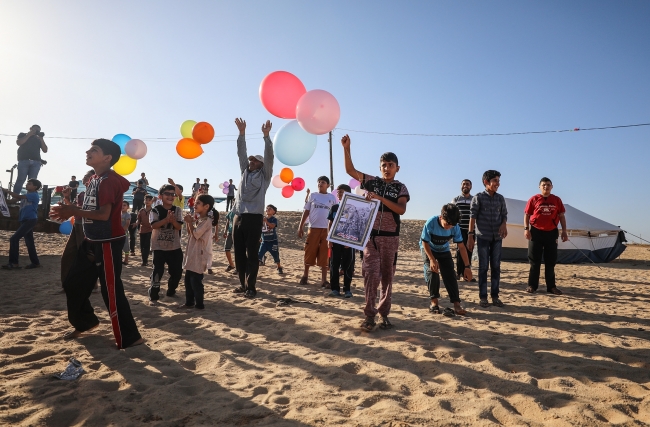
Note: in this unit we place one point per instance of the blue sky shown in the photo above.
(91, 69)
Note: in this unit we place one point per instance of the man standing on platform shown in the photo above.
(256, 174)
(463, 203)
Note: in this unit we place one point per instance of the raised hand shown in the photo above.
(241, 125)
(266, 127)
(345, 141)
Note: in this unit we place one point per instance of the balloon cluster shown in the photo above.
(315, 112)
(224, 187)
(194, 135)
(288, 183)
(132, 151)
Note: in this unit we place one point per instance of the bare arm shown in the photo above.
(305, 214)
(63, 212)
(347, 158)
(399, 208)
(565, 236)
(43, 144)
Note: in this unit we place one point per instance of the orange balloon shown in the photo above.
(286, 175)
(188, 148)
(72, 220)
(203, 132)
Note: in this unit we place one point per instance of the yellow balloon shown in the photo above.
(125, 165)
(186, 128)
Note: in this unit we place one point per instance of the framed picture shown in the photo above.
(353, 221)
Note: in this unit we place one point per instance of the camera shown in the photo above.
(41, 134)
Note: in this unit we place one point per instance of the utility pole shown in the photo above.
(331, 164)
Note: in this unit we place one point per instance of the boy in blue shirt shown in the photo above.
(270, 237)
(28, 218)
(434, 245)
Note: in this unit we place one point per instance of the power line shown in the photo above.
(496, 134)
(167, 139)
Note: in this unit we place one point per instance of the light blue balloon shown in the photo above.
(293, 145)
(65, 227)
(121, 140)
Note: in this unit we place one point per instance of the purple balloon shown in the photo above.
(225, 190)
(226, 183)
(354, 183)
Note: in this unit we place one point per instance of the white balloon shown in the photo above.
(135, 149)
(360, 191)
(277, 182)
(221, 186)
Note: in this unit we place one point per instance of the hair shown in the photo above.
(490, 175)
(39, 128)
(344, 187)
(180, 186)
(230, 180)
(35, 182)
(324, 178)
(450, 213)
(206, 200)
(148, 197)
(90, 172)
(215, 217)
(127, 203)
(109, 148)
(140, 181)
(165, 188)
(275, 210)
(468, 180)
(73, 176)
(142, 173)
(545, 179)
(389, 157)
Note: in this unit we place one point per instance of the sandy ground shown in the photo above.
(578, 359)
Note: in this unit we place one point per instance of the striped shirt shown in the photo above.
(463, 204)
(489, 212)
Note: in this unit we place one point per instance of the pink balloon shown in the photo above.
(298, 184)
(225, 191)
(354, 183)
(280, 92)
(277, 182)
(226, 183)
(135, 149)
(287, 192)
(318, 112)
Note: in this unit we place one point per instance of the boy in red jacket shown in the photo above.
(101, 253)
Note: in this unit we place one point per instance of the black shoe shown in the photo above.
(280, 270)
(250, 294)
(230, 267)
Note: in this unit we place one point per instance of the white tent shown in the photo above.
(589, 237)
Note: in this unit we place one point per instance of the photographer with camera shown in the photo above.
(30, 145)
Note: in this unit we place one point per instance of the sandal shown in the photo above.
(368, 324)
(530, 290)
(554, 291)
(460, 312)
(303, 280)
(448, 312)
(434, 309)
(239, 290)
(385, 323)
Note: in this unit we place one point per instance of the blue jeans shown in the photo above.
(25, 230)
(489, 254)
(26, 169)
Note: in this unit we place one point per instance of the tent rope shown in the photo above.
(581, 253)
(627, 232)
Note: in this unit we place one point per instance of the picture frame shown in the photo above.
(353, 222)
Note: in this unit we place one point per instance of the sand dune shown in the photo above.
(578, 359)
